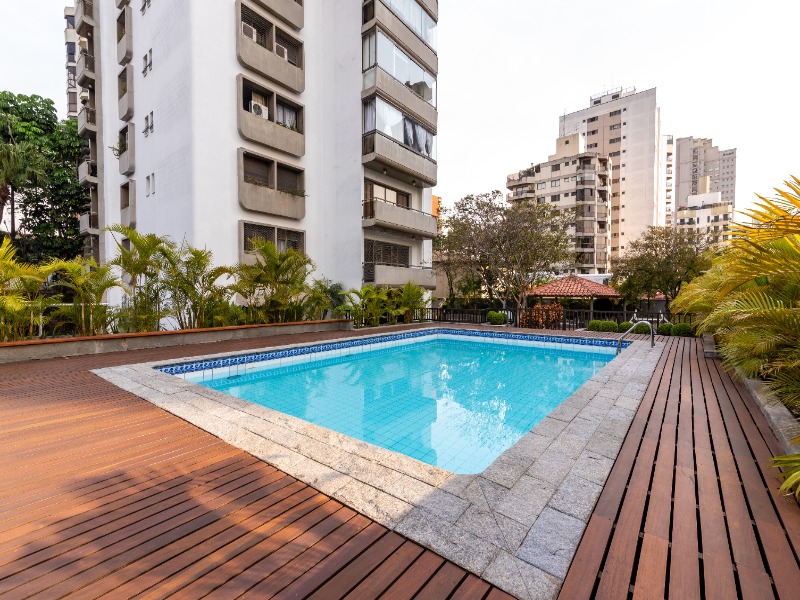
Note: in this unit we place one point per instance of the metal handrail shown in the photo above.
(635, 323)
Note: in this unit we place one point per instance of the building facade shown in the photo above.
(625, 125)
(703, 168)
(707, 214)
(311, 124)
(573, 179)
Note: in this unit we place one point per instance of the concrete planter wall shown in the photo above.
(62, 347)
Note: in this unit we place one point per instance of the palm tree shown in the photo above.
(21, 164)
(141, 264)
(89, 282)
(192, 283)
(13, 275)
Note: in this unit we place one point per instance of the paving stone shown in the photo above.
(380, 506)
(592, 467)
(526, 499)
(444, 505)
(460, 546)
(553, 465)
(604, 444)
(549, 428)
(521, 579)
(576, 497)
(484, 494)
(551, 542)
(511, 464)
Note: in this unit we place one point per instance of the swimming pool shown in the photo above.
(454, 399)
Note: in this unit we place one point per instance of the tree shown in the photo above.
(88, 283)
(21, 167)
(506, 246)
(50, 205)
(660, 261)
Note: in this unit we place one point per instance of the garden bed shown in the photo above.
(77, 346)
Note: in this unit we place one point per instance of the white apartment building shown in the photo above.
(667, 207)
(707, 214)
(702, 167)
(573, 179)
(309, 123)
(625, 125)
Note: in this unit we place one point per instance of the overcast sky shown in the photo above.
(724, 69)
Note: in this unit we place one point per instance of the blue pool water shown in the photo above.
(453, 403)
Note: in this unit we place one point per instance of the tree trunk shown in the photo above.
(13, 231)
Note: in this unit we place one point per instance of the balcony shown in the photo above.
(289, 11)
(125, 84)
(89, 224)
(265, 62)
(376, 79)
(87, 173)
(392, 24)
(127, 161)
(263, 130)
(398, 276)
(84, 17)
(84, 71)
(125, 37)
(380, 151)
(379, 213)
(260, 198)
(87, 122)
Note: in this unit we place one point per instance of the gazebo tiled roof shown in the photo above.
(574, 287)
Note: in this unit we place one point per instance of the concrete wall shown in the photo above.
(59, 348)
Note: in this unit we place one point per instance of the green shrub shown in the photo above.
(683, 330)
(609, 326)
(665, 329)
(624, 326)
(641, 328)
(496, 318)
(594, 325)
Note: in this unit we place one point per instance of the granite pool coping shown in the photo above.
(517, 524)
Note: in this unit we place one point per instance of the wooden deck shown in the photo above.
(691, 508)
(103, 494)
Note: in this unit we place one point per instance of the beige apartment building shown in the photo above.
(708, 214)
(701, 168)
(625, 125)
(306, 122)
(578, 180)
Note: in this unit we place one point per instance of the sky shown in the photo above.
(724, 69)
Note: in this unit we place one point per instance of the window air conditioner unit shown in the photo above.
(282, 52)
(249, 31)
(259, 110)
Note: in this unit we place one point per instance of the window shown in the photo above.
(555, 183)
(555, 168)
(593, 132)
(590, 146)
(147, 62)
(256, 28)
(145, 5)
(149, 124)
(413, 15)
(152, 183)
(282, 238)
(290, 180)
(555, 198)
(253, 232)
(386, 253)
(615, 140)
(289, 49)
(288, 238)
(70, 51)
(257, 171)
(614, 153)
(286, 115)
(592, 119)
(379, 50)
(617, 126)
(147, 185)
(382, 117)
(541, 185)
(374, 190)
(614, 113)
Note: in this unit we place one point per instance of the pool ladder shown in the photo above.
(635, 323)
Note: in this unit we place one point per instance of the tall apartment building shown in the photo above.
(71, 41)
(311, 124)
(573, 179)
(626, 126)
(667, 207)
(704, 168)
(708, 214)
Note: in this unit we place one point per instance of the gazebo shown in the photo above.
(574, 286)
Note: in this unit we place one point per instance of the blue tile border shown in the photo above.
(245, 359)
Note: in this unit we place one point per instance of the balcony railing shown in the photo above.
(377, 211)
